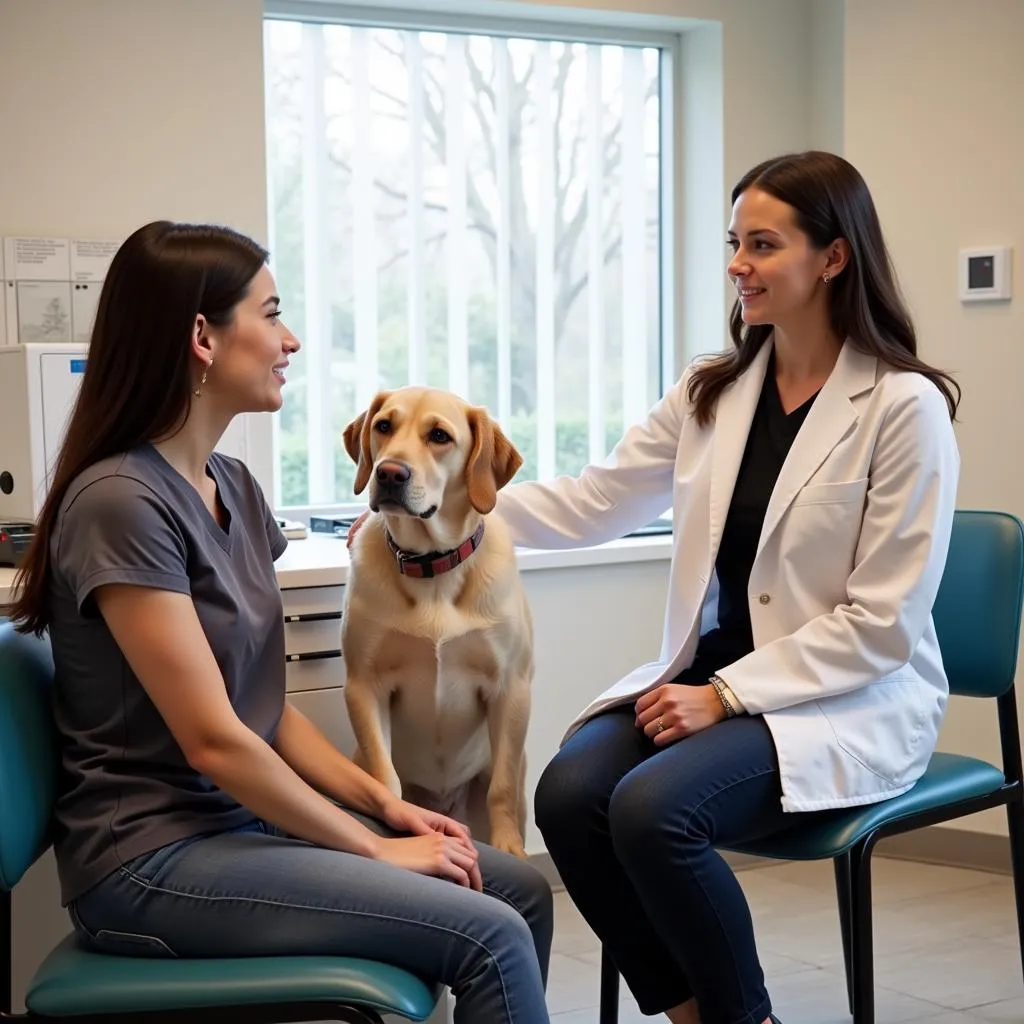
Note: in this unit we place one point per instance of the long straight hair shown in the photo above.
(138, 375)
(831, 201)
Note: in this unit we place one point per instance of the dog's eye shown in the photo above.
(382, 426)
(439, 436)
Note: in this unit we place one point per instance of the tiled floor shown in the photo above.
(945, 948)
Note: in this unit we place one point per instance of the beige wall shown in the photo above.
(118, 112)
(827, 73)
(934, 118)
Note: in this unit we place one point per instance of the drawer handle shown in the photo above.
(312, 616)
(312, 656)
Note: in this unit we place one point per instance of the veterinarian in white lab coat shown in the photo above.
(812, 473)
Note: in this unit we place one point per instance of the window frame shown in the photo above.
(261, 432)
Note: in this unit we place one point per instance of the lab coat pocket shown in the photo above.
(821, 530)
(842, 492)
(879, 725)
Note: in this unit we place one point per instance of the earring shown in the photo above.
(826, 277)
(198, 391)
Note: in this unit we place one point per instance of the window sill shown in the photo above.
(322, 561)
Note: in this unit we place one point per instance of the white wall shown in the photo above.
(934, 118)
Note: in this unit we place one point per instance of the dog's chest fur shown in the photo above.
(438, 691)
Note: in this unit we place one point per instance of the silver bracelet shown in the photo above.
(719, 685)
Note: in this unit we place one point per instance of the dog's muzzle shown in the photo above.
(391, 480)
(391, 486)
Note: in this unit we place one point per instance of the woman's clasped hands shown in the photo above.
(438, 845)
(673, 711)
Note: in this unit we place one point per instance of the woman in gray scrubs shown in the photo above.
(202, 815)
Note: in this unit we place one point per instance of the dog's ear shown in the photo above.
(357, 442)
(493, 461)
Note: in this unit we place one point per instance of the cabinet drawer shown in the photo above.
(313, 635)
(326, 709)
(310, 600)
(313, 673)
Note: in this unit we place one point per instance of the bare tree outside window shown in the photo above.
(472, 212)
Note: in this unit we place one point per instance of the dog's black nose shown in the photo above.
(392, 474)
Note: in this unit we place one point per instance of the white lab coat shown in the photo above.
(846, 667)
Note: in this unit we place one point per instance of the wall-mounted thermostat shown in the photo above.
(985, 274)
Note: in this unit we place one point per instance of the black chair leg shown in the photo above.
(1015, 819)
(861, 946)
(609, 1012)
(843, 897)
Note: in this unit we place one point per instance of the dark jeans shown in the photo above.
(632, 830)
(255, 892)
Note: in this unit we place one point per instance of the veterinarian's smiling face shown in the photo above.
(419, 441)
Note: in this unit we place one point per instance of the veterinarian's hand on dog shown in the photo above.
(403, 816)
(672, 712)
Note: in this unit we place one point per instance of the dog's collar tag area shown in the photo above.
(434, 563)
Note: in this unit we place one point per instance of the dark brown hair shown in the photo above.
(138, 376)
(831, 201)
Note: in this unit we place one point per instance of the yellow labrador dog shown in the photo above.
(436, 634)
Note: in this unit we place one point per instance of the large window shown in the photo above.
(473, 211)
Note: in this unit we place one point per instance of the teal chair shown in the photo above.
(93, 988)
(978, 616)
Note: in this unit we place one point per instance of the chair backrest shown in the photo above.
(978, 609)
(28, 752)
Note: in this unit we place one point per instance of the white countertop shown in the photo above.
(322, 561)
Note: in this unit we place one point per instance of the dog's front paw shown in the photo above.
(508, 840)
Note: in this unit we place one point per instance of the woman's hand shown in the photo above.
(403, 816)
(433, 854)
(673, 711)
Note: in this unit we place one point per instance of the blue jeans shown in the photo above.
(632, 828)
(257, 892)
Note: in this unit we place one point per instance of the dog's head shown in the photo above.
(420, 449)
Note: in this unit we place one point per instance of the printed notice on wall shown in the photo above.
(44, 311)
(39, 259)
(51, 287)
(90, 259)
